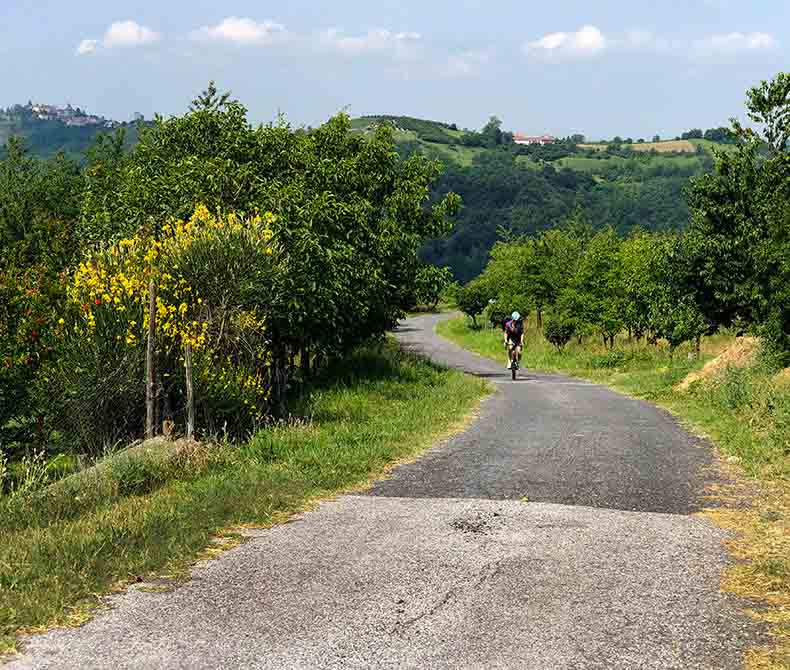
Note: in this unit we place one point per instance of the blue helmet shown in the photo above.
(515, 316)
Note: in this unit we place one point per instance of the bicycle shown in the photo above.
(514, 363)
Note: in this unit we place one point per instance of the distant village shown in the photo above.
(67, 115)
(541, 140)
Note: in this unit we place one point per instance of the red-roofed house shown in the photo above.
(518, 138)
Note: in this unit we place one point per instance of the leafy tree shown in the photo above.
(431, 282)
(492, 132)
(39, 201)
(738, 238)
(559, 330)
(473, 299)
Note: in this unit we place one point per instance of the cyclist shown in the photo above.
(514, 337)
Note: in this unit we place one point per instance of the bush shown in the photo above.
(611, 359)
(558, 331)
(472, 300)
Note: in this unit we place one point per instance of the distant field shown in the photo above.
(582, 164)
(457, 153)
(668, 146)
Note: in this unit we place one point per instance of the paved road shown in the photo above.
(442, 566)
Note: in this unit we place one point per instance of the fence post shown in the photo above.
(149, 362)
(190, 393)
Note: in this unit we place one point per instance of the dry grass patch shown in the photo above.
(761, 572)
(739, 354)
(668, 146)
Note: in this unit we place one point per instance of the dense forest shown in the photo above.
(504, 198)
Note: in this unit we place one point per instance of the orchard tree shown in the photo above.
(431, 282)
(738, 239)
(473, 299)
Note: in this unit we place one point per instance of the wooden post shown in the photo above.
(149, 363)
(190, 393)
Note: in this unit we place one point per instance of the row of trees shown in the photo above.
(247, 250)
(731, 267)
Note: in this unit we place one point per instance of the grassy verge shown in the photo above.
(746, 412)
(154, 515)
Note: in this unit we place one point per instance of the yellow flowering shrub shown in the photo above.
(204, 269)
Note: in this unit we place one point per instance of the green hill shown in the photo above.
(46, 137)
(509, 189)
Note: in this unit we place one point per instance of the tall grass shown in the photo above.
(154, 511)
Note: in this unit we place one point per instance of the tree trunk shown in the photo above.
(304, 362)
(190, 392)
(697, 345)
(540, 318)
(150, 373)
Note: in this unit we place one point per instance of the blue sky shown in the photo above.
(599, 67)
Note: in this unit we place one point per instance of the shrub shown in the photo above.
(472, 300)
(558, 331)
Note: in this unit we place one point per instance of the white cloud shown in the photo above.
(402, 44)
(128, 34)
(732, 42)
(87, 47)
(587, 41)
(119, 34)
(243, 31)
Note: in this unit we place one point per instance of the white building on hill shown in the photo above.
(518, 138)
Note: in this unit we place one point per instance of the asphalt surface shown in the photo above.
(445, 567)
(555, 439)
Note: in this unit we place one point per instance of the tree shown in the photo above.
(492, 132)
(473, 299)
(593, 295)
(738, 239)
(431, 282)
(559, 330)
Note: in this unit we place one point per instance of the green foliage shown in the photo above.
(500, 192)
(559, 330)
(39, 202)
(431, 283)
(473, 299)
(348, 218)
(738, 241)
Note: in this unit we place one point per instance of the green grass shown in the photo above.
(456, 153)
(584, 164)
(154, 515)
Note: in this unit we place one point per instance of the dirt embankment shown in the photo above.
(740, 354)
